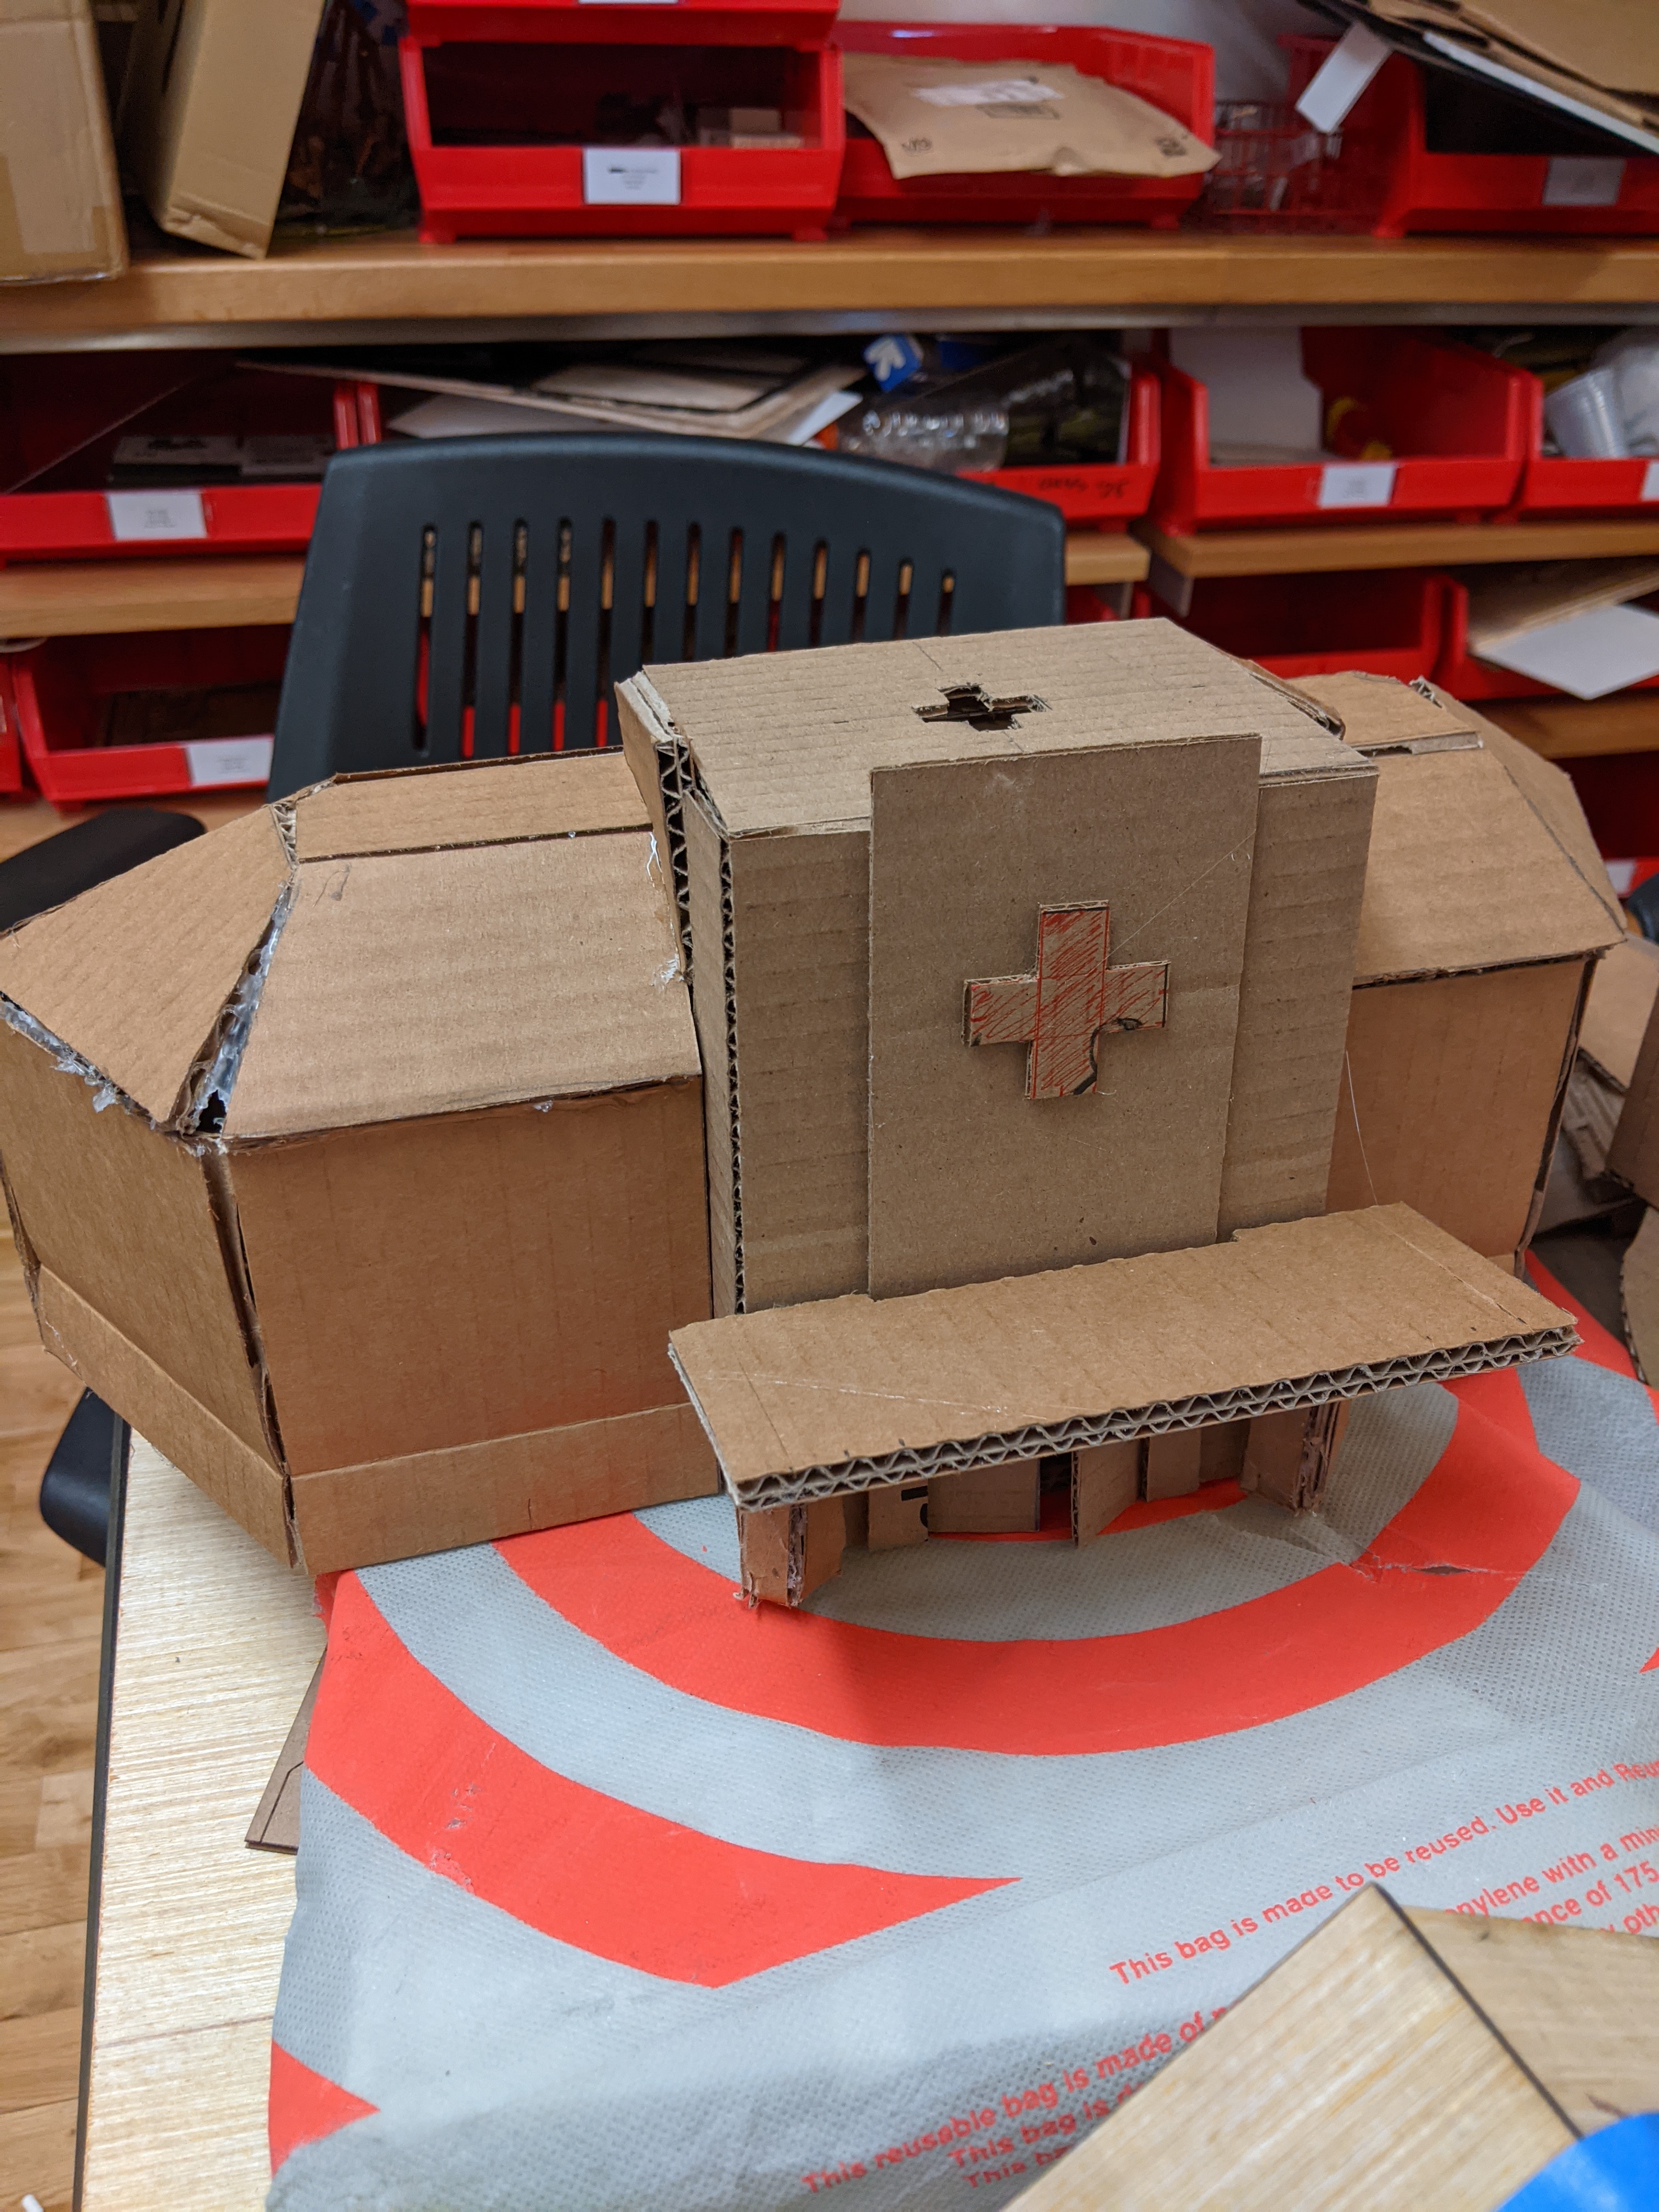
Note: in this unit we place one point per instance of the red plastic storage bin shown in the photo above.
(61, 419)
(622, 23)
(1386, 140)
(1098, 495)
(138, 715)
(1619, 794)
(11, 750)
(1176, 75)
(1465, 676)
(1554, 483)
(497, 130)
(1455, 418)
(1387, 622)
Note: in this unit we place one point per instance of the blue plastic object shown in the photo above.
(1615, 2170)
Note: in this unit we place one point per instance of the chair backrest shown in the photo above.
(474, 597)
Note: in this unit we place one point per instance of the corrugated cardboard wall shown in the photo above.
(1306, 885)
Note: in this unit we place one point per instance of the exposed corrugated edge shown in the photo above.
(674, 769)
(1159, 1418)
(213, 1075)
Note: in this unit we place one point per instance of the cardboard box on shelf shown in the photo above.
(354, 1153)
(810, 1405)
(1124, 867)
(60, 198)
(208, 111)
(1616, 1016)
(1486, 907)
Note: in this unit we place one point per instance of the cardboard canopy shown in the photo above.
(354, 1152)
(806, 1401)
(859, 836)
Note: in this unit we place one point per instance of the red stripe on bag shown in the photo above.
(1478, 1522)
(304, 2107)
(587, 1869)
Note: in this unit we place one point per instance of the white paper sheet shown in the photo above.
(1589, 655)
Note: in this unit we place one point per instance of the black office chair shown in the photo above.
(75, 1489)
(473, 597)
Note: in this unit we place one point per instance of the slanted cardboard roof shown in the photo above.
(427, 983)
(801, 1400)
(133, 974)
(450, 937)
(787, 740)
(489, 803)
(1479, 856)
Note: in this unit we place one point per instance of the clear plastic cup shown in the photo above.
(1584, 418)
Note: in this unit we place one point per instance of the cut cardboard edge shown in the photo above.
(1639, 1293)
(276, 1823)
(1161, 1418)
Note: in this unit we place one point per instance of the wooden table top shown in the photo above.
(215, 1646)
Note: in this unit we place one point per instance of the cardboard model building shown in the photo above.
(1014, 955)
(355, 1154)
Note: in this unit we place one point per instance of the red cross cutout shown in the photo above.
(1074, 998)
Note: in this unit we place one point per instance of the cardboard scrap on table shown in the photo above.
(1447, 2057)
(936, 117)
(276, 1823)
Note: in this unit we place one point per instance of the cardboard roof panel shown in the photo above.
(1464, 874)
(788, 740)
(133, 974)
(969, 1177)
(489, 803)
(1376, 711)
(800, 1401)
(431, 982)
(1621, 1000)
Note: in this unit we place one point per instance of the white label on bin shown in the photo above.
(1584, 180)
(1343, 74)
(991, 92)
(1356, 484)
(631, 176)
(155, 514)
(1651, 481)
(229, 760)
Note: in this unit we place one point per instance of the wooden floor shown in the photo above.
(51, 1619)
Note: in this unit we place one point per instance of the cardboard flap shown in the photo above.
(1379, 716)
(788, 740)
(482, 803)
(430, 983)
(1621, 1000)
(1464, 873)
(801, 1400)
(134, 975)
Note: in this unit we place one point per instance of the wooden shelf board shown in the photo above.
(1105, 556)
(1581, 729)
(1397, 545)
(75, 598)
(397, 278)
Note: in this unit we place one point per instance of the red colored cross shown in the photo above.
(1073, 998)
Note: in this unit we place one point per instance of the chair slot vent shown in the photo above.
(648, 598)
(820, 578)
(861, 598)
(901, 598)
(733, 592)
(562, 636)
(599, 730)
(693, 584)
(425, 585)
(947, 589)
(515, 637)
(470, 643)
(775, 589)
